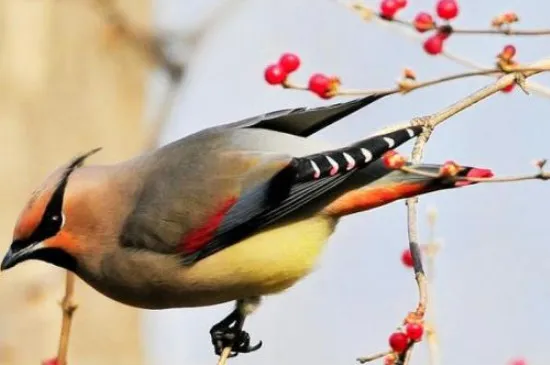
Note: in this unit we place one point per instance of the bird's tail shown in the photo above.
(378, 185)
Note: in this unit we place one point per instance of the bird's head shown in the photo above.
(43, 229)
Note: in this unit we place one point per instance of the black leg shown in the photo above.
(229, 333)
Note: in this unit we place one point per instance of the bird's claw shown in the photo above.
(237, 339)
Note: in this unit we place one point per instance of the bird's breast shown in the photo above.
(266, 263)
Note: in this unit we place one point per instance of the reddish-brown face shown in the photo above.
(39, 232)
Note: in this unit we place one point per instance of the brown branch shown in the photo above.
(68, 306)
(541, 175)
(368, 14)
(430, 122)
(372, 357)
(224, 356)
(504, 31)
(407, 85)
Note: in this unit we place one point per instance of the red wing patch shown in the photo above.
(200, 236)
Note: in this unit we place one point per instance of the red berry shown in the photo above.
(289, 62)
(447, 9)
(407, 259)
(320, 84)
(401, 3)
(509, 50)
(388, 8)
(423, 22)
(414, 331)
(434, 44)
(53, 361)
(398, 342)
(275, 74)
(508, 88)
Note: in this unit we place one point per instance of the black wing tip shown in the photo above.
(348, 107)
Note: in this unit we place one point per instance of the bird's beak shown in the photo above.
(17, 254)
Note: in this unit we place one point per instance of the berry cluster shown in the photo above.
(322, 85)
(423, 21)
(401, 340)
(276, 74)
(446, 10)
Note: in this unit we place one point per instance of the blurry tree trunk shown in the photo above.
(64, 90)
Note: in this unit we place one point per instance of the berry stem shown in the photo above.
(414, 85)
(361, 10)
(507, 31)
(379, 355)
(540, 175)
(504, 31)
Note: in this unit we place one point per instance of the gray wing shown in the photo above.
(304, 122)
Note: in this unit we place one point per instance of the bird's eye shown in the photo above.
(57, 220)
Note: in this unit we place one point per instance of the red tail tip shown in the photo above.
(475, 172)
(484, 173)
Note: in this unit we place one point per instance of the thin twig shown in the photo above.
(430, 122)
(372, 357)
(68, 307)
(409, 33)
(504, 31)
(224, 356)
(408, 85)
(449, 29)
(542, 175)
(369, 13)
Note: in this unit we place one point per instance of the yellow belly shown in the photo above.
(266, 263)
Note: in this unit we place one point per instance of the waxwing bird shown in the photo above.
(230, 213)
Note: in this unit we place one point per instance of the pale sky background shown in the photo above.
(492, 288)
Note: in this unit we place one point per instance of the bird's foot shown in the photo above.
(233, 337)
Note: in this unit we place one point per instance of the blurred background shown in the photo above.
(79, 74)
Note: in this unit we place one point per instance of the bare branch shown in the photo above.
(369, 14)
(68, 306)
(224, 356)
(407, 85)
(373, 357)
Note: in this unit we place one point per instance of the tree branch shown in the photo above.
(224, 356)
(369, 14)
(430, 123)
(68, 307)
(407, 85)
